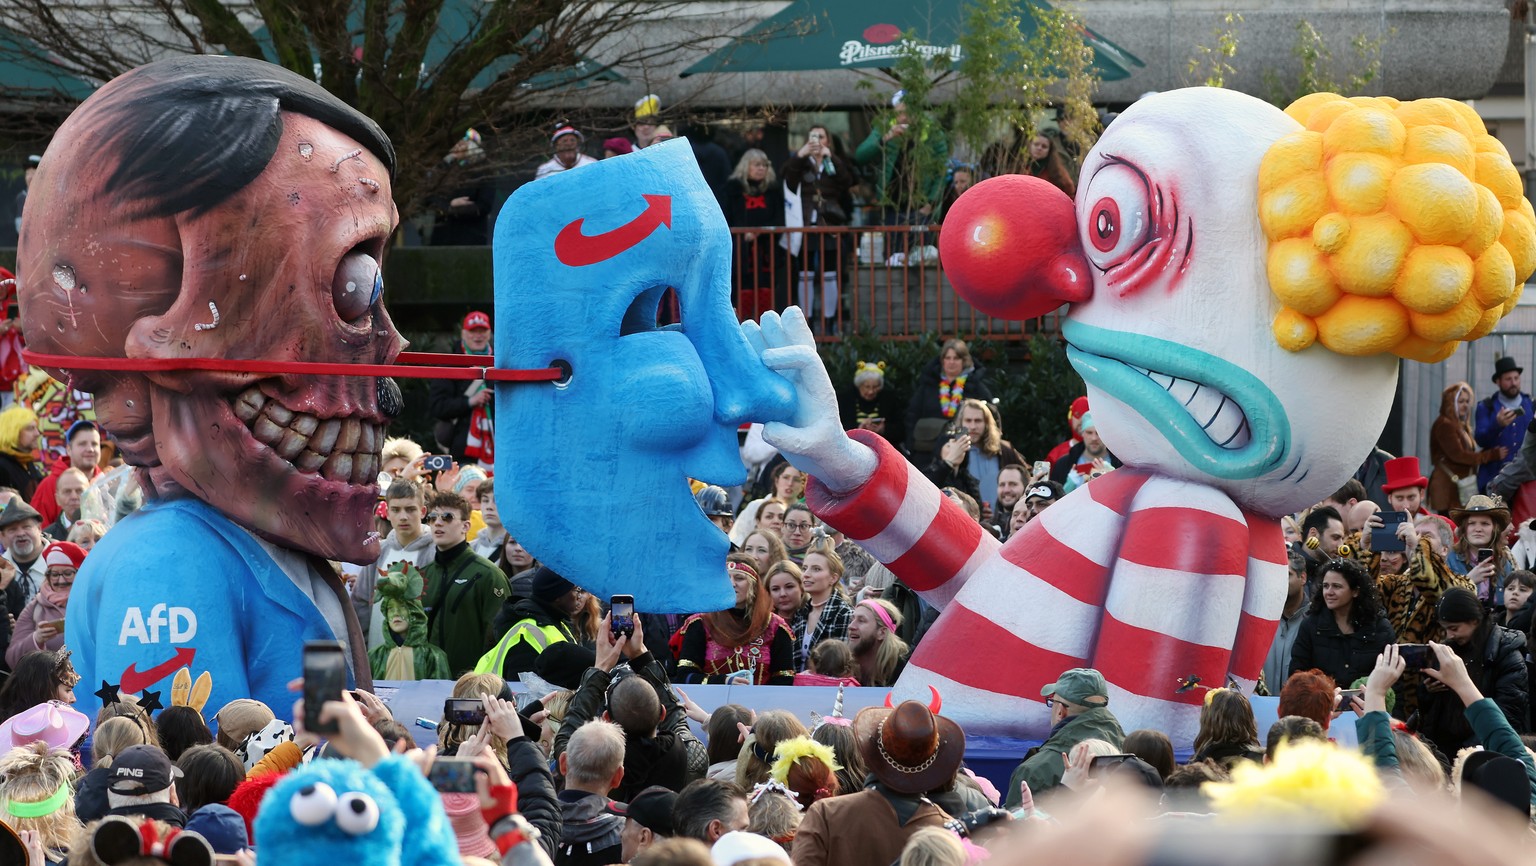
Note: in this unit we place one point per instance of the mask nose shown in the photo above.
(1010, 248)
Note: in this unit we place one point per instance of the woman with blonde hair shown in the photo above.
(86, 532)
(933, 846)
(825, 614)
(1453, 451)
(112, 736)
(767, 549)
(35, 788)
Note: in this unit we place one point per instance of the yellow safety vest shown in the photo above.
(523, 630)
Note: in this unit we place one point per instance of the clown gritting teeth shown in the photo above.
(339, 449)
(1219, 415)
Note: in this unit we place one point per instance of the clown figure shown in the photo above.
(1241, 283)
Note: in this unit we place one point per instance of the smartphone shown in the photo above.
(622, 611)
(56, 624)
(1348, 695)
(1484, 553)
(464, 711)
(437, 462)
(453, 775)
(1518, 410)
(1042, 469)
(1384, 537)
(1418, 656)
(1104, 763)
(325, 678)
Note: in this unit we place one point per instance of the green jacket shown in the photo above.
(464, 592)
(888, 153)
(1043, 770)
(1489, 724)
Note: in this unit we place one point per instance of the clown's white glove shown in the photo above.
(813, 440)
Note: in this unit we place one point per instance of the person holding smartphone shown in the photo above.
(1481, 553)
(823, 183)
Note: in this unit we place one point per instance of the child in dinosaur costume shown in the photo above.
(405, 653)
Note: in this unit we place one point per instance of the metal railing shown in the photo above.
(886, 280)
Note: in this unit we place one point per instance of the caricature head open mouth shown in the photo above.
(1219, 417)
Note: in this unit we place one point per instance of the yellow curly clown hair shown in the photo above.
(1393, 227)
(793, 750)
(1307, 778)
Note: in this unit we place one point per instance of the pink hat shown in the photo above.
(469, 826)
(64, 553)
(57, 724)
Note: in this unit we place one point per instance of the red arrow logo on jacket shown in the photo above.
(575, 249)
(133, 681)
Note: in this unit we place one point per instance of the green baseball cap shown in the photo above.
(1082, 686)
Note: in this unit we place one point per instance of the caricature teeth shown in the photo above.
(339, 449)
(1219, 415)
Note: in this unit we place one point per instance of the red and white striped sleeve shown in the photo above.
(902, 519)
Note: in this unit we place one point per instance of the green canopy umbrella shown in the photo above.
(867, 34)
(458, 23)
(27, 73)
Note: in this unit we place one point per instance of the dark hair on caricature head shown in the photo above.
(192, 131)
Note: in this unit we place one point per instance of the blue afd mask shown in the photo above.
(595, 469)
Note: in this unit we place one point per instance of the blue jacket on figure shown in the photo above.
(1490, 435)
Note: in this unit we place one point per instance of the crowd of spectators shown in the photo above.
(1416, 623)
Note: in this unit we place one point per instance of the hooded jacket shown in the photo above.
(589, 835)
(1043, 770)
(391, 551)
(429, 661)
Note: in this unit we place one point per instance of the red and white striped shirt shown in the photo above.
(1144, 577)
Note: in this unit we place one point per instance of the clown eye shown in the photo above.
(1117, 221)
(313, 805)
(356, 813)
(358, 284)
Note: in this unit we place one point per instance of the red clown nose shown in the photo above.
(1010, 248)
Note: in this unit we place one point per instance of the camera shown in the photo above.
(437, 462)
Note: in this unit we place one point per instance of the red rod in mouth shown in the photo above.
(409, 365)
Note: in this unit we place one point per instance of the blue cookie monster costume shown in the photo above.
(337, 813)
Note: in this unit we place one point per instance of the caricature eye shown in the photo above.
(358, 284)
(313, 805)
(1118, 220)
(356, 813)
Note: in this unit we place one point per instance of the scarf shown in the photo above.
(56, 597)
(951, 394)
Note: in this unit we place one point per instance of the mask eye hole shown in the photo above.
(313, 805)
(644, 312)
(356, 813)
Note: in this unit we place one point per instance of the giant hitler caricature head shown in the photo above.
(215, 207)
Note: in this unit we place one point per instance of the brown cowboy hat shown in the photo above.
(910, 749)
(1487, 506)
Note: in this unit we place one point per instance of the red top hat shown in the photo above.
(1403, 472)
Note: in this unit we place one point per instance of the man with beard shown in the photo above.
(877, 650)
(21, 529)
(464, 591)
(1012, 481)
(1502, 419)
(82, 444)
(1495, 660)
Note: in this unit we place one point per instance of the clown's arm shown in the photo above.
(859, 483)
